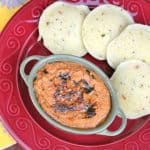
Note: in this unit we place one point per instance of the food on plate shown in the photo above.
(132, 43)
(60, 28)
(101, 26)
(72, 94)
(76, 96)
(131, 82)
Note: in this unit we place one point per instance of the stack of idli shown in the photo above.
(72, 29)
(129, 54)
(109, 33)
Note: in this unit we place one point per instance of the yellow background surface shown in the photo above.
(5, 14)
(5, 139)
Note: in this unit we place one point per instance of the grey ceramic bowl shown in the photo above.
(115, 110)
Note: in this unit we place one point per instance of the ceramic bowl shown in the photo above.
(102, 129)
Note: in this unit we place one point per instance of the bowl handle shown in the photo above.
(24, 63)
(120, 129)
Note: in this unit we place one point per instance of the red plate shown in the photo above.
(18, 40)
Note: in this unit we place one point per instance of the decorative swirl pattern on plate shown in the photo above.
(14, 45)
(136, 8)
(19, 30)
(61, 147)
(144, 136)
(5, 68)
(25, 125)
(131, 146)
(133, 8)
(6, 86)
(36, 11)
(13, 109)
(21, 124)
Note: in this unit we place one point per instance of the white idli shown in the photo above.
(132, 43)
(131, 82)
(101, 26)
(60, 28)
